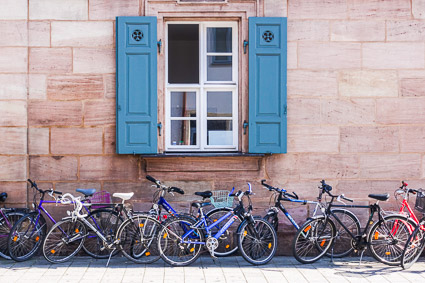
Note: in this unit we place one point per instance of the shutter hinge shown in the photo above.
(245, 44)
(159, 43)
(119, 107)
(245, 125)
(159, 128)
(285, 109)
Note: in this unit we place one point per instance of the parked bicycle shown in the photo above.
(180, 241)
(384, 238)
(8, 218)
(342, 241)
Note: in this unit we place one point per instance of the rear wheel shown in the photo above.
(257, 241)
(414, 246)
(26, 237)
(313, 239)
(228, 242)
(6, 225)
(64, 240)
(387, 238)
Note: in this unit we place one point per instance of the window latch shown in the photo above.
(159, 43)
(245, 44)
(159, 128)
(245, 125)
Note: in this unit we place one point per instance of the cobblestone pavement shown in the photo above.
(231, 269)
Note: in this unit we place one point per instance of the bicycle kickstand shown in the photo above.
(361, 257)
(110, 255)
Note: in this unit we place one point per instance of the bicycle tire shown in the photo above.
(342, 242)
(56, 249)
(105, 220)
(414, 246)
(170, 245)
(385, 248)
(257, 241)
(12, 218)
(314, 233)
(138, 238)
(273, 220)
(26, 237)
(228, 242)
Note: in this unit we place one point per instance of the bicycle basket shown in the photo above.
(221, 199)
(420, 201)
(100, 198)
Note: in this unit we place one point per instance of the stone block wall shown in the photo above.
(356, 100)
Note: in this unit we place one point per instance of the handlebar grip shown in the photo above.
(31, 182)
(150, 178)
(347, 199)
(177, 190)
(296, 196)
(57, 192)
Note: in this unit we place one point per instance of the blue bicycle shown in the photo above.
(180, 241)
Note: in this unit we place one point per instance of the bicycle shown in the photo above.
(350, 220)
(405, 192)
(385, 238)
(416, 242)
(26, 236)
(8, 218)
(227, 239)
(134, 237)
(180, 240)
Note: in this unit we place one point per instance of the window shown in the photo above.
(201, 86)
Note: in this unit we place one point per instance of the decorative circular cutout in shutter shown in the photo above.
(137, 35)
(268, 36)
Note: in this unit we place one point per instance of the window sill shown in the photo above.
(202, 154)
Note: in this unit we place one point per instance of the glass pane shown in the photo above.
(183, 104)
(219, 68)
(219, 103)
(220, 132)
(183, 132)
(183, 53)
(219, 40)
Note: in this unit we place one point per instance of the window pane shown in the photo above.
(219, 68)
(183, 53)
(183, 104)
(220, 132)
(183, 132)
(219, 103)
(219, 40)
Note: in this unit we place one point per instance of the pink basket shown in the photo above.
(100, 198)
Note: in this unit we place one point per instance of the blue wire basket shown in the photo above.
(221, 199)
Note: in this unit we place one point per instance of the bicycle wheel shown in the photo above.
(177, 251)
(26, 236)
(105, 221)
(387, 238)
(64, 240)
(139, 238)
(228, 243)
(414, 247)
(342, 242)
(257, 241)
(6, 225)
(313, 239)
(273, 220)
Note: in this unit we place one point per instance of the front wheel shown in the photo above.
(6, 226)
(387, 238)
(414, 246)
(64, 240)
(313, 239)
(257, 241)
(139, 239)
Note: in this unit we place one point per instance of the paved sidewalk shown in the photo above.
(231, 269)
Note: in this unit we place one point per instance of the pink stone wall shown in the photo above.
(356, 99)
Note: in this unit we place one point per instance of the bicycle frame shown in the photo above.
(279, 205)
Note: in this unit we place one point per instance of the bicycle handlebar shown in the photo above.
(69, 199)
(281, 191)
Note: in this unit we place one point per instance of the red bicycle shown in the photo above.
(404, 191)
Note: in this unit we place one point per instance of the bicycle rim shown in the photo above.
(12, 218)
(414, 247)
(64, 240)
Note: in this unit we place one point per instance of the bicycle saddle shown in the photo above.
(3, 197)
(123, 196)
(200, 204)
(382, 197)
(206, 194)
(86, 192)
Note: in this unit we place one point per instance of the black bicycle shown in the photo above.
(384, 238)
(342, 242)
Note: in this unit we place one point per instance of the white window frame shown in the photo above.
(201, 90)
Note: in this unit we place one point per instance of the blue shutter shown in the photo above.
(267, 85)
(136, 85)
